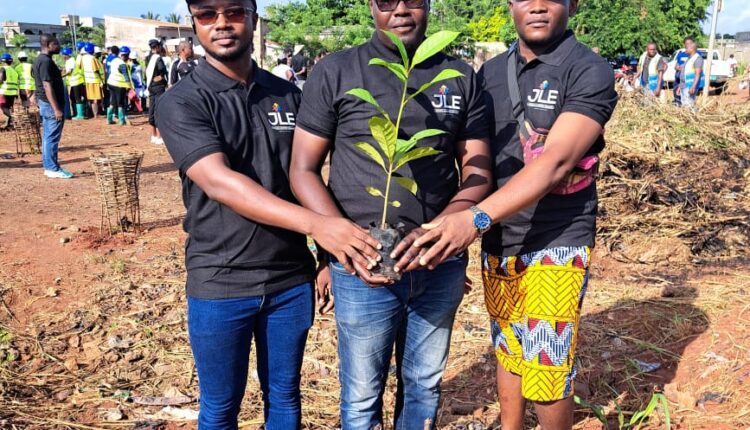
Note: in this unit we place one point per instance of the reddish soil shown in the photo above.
(53, 256)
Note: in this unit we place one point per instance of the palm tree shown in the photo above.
(150, 15)
(173, 18)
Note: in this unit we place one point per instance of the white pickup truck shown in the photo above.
(720, 70)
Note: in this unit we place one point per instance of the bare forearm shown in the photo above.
(52, 100)
(312, 193)
(254, 202)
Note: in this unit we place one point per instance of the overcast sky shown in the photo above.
(736, 15)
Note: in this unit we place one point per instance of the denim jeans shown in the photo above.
(416, 314)
(51, 135)
(220, 335)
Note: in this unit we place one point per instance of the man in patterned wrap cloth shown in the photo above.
(550, 97)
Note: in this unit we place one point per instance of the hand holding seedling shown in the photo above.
(396, 152)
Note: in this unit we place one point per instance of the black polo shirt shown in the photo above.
(455, 106)
(569, 78)
(228, 255)
(44, 69)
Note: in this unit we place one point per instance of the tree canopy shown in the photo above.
(615, 26)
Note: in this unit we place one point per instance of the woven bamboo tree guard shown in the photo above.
(27, 128)
(117, 178)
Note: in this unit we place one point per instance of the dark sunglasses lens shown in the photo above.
(205, 17)
(236, 14)
(414, 4)
(387, 5)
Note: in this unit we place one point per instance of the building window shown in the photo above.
(28, 32)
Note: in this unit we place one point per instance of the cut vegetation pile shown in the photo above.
(676, 181)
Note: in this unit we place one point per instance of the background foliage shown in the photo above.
(615, 26)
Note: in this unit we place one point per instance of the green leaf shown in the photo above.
(597, 410)
(401, 48)
(444, 75)
(395, 68)
(374, 192)
(415, 154)
(407, 183)
(396, 204)
(424, 134)
(372, 153)
(365, 96)
(404, 146)
(384, 132)
(434, 44)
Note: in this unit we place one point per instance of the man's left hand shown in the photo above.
(450, 235)
(406, 254)
(693, 91)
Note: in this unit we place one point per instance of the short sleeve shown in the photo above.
(187, 130)
(317, 114)
(45, 70)
(591, 91)
(699, 63)
(476, 125)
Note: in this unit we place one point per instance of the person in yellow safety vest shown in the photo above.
(93, 75)
(651, 68)
(119, 82)
(26, 84)
(692, 75)
(8, 87)
(76, 85)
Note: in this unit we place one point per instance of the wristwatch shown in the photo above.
(482, 221)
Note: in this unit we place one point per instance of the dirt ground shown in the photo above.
(93, 332)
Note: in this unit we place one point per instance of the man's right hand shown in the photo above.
(59, 115)
(349, 243)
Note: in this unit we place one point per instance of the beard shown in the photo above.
(231, 54)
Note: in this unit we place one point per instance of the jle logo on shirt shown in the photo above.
(445, 102)
(280, 120)
(543, 97)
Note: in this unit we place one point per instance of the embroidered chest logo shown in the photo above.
(445, 102)
(543, 97)
(280, 120)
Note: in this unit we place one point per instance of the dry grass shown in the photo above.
(673, 193)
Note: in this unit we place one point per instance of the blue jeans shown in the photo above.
(51, 135)
(220, 335)
(416, 314)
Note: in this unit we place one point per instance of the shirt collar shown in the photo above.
(220, 82)
(557, 53)
(378, 49)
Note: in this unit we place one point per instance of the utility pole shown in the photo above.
(711, 44)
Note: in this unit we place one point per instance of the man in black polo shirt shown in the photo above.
(536, 258)
(416, 314)
(228, 126)
(51, 100)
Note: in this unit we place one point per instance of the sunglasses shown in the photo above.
(235, 15)
(391, 5)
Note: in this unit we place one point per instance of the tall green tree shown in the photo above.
(19, 41)
(151, 15)
(95, 35)
(173, 18)
(627, 26)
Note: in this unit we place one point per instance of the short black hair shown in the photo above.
(115, 50)
(45, 39)
(688, 38)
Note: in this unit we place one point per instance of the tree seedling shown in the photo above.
(396, 152)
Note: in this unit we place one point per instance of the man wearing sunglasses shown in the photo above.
(416, 313)
(228, 126)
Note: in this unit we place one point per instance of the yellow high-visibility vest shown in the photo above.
(25, 79)
(76, 76)
(92, 69)
(10, 86)
(116, 78)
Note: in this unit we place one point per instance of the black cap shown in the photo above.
(153, 42)
(254, 2)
